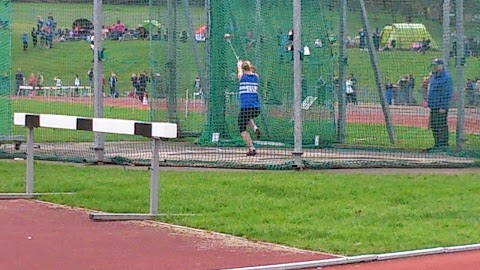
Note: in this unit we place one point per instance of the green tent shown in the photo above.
(405, 35)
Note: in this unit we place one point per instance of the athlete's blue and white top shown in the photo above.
(248, 91)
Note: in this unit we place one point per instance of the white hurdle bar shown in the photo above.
(153, 130)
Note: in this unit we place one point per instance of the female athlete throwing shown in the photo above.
(249, 103)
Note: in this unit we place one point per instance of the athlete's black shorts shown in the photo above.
(245, 115)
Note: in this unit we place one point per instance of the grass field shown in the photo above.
(340, 213)
(125, 58)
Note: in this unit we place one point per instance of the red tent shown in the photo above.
(201, 29)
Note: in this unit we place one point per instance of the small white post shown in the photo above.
(194, 97)
(317, 140)
(154, 178)
(29, 172)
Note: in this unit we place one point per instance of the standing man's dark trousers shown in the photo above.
(438, 124)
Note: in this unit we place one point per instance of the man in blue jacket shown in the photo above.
(439, 98)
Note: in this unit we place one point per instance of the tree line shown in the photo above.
(110, 2)
(409, 10)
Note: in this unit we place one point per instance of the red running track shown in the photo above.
(41, 236)
(471, 124)
(64, 238)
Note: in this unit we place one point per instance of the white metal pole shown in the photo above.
(98, 81)
(446, 31)
(460, 140)
(155, 177)
(191, 31)
(258, 33)
(29, 172)
(342, 69)
(297, 85)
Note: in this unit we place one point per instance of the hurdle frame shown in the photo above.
(153, 130)
(29, 182)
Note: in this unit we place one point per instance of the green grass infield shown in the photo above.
(340, 213)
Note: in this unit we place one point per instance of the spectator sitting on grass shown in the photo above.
(118, 31)
(391, 44)
(425, 45)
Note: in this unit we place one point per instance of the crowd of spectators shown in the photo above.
(119, 31)
(46, 32)
(360, 41)
(43, 33)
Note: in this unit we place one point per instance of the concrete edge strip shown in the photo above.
(311, 264)
(362, 258)
(462, 248)
(412, 253)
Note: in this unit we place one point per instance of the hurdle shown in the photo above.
(153, 130)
